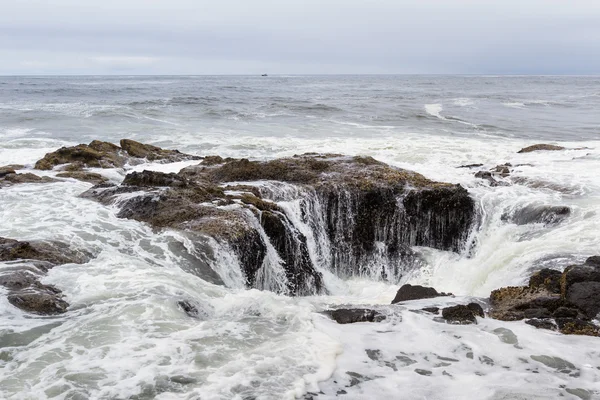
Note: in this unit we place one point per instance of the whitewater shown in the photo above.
(125, 337)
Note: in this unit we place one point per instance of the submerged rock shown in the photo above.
(367, 209)
(100, 154)
(415, 292)
(23, 279)
(538, 214)
(353, 315)
(540, 147)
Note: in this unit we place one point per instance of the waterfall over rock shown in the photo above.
(290, 221)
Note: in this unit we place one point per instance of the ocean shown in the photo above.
(124, 336)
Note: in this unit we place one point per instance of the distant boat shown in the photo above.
(264, 75)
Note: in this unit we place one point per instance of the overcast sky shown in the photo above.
(299, 36)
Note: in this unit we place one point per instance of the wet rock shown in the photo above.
(153, 153)
(9, 177)
(45, 301)
(432, 310)
(423, 372)
(154, 179)
(588, 272)
(516, 303)
(542, 324)
(575, 326)
(415, 292)
(84, 176)
(586, 297)
(561, 365)
(23, 281)
(6, 170)
(462, 314)
(546, 278)
(538, 215)
(367, 208)
(188, 308)
(502, 170)
(565, 312)
(99, 154)
(541, 147)
(470, 166)
(487, 176)
(352, 315)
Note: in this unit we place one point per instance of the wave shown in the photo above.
(435, 110)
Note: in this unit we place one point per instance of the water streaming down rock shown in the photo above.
(289, 221)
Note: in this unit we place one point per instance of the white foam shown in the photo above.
(435, 110)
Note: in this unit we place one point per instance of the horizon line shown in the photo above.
(321, 74)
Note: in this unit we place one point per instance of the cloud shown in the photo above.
(299, 36)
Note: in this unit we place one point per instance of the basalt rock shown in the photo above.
(415, 292)
(462, 314)
(540, 147)
(572, 298)
(362, 209)
(353, 315)
(99, 154)
(28, 262)
(9, 177)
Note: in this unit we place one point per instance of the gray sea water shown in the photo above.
(124, 336)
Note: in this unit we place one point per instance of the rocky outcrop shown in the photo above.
(99, 154)
(28, 261)
(350, 211)
(9, 176)
(416, 292)
(353, 315)
(463, 314)
(541, 147)
(566, 301)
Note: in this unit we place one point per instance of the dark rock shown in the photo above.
(546, 278)
(52, 252)
(153, 153)
(461, 314)
(542, 324)
(367, 208)
(44, 302)
(588, 272)
(107, 155)
(352, 315)
(573, 326)
(18, 280)
(9, 177)
(565, 312)
(586, 297)
(84, 176)
(154, 179)
(432, 310)
(539, 147)
(594, 260)
(515, 303)
(25, 290)
(409, 292)
(6, 171)
(486, 175)
(470, 166)
(502, 170)
(538, 214)
(476, 309)
(188, 308)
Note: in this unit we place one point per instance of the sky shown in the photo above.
(196, 37)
